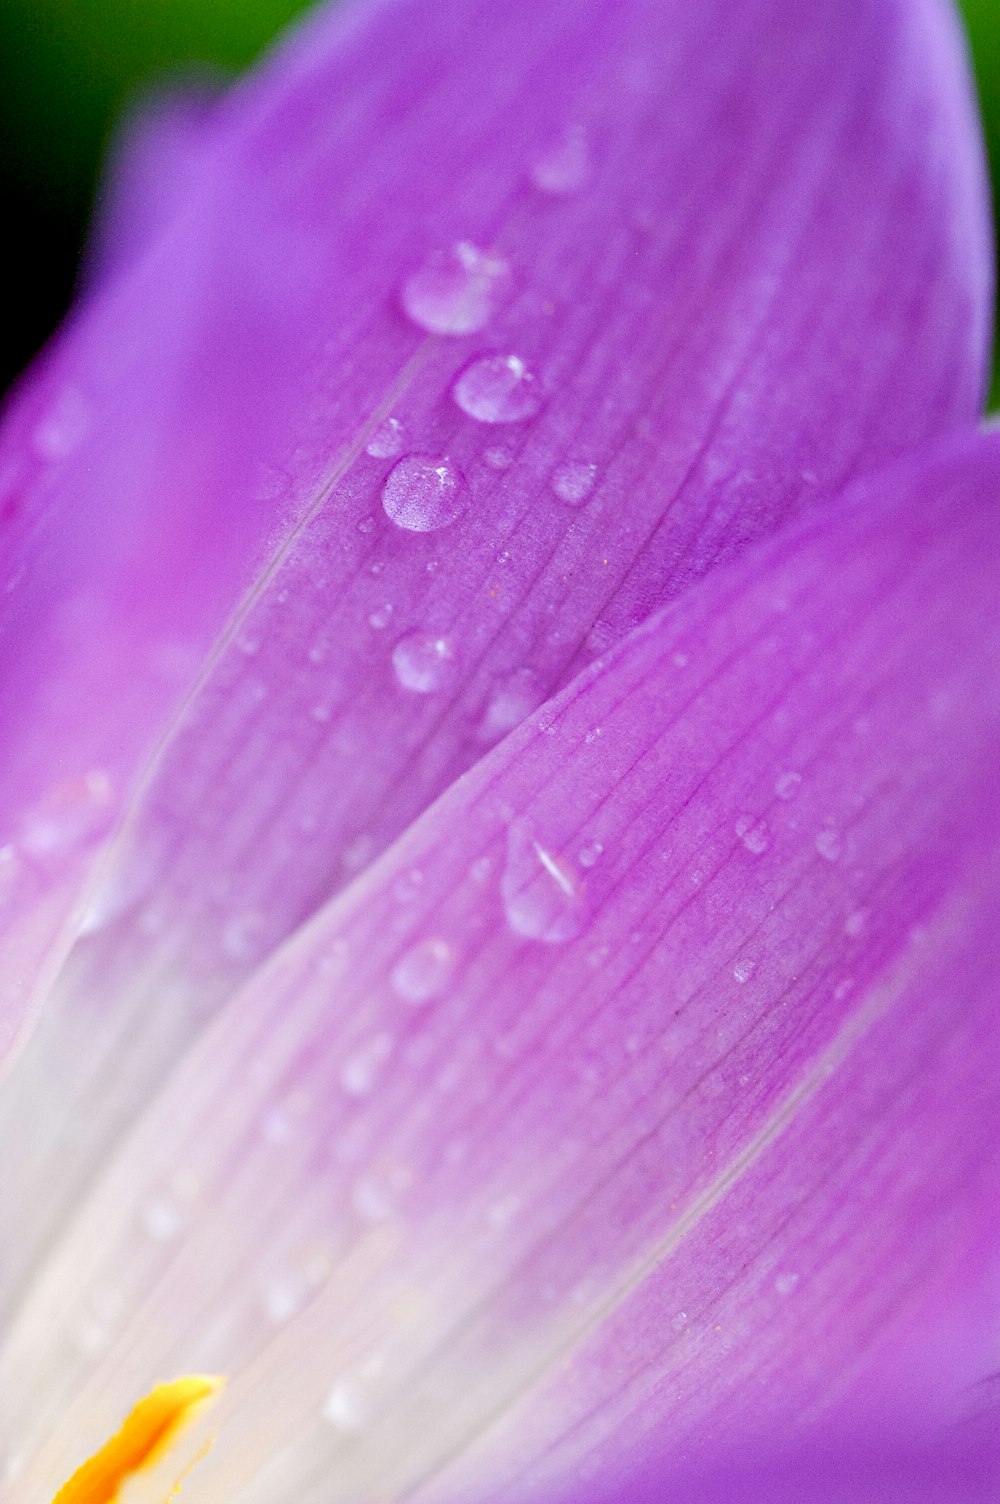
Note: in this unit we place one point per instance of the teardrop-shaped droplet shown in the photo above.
(573, 481)
(424, 971)
(543, 895)
(424, 662)
(387, 440)
(456, 291)
(498, 389)
(422, 494)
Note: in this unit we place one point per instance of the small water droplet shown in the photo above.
(498, 389)
(243, 935)
(162, 1220)
(785, 1283)
(543, 895)
(73, 814)
(387, 440)
(573, 481)
(787, 785)
(345, 1406)
(361, 1069)
(511, 700)
(744, 969)
(283, 1297)
(456, 291)
(64, 427)
(424, 662)
(590, 853)
(828, 844)
(564, 166)
(499, 457)
(422, 494)
(424, 971)
(381, 616)
(680, 1321)
(754, 833)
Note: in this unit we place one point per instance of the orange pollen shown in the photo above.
(143, 1441)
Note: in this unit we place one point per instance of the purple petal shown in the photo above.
(723, 257)
(649, 1080)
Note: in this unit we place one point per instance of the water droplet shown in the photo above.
(565, 165)
(424, 971)
(387, 440)
(422, 494)
(543, 895)
(498, 389)
(680, 1321)
(511, 700)
(499, 457)
(424, 663)
(361, 1069)
(381, 616)
(755, 834)
(788, 785)
(573, 481)
(162, 1220)
(64, 427)
(456, 291)
(828, 844)
(785, 1283)
(590, 853)
(73, 814)
(243, 935)
(345, 1406)
(744, 970)
(283, 1298)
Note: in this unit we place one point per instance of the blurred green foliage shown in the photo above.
(69, 67)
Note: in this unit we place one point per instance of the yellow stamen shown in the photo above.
(148, 1433)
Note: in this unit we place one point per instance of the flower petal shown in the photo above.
(748, 255)
(651, 1074)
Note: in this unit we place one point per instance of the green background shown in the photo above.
(69, 67)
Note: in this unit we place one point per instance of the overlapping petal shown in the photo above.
(595, 294)
(644, 1083)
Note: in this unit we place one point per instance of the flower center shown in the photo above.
(143, 1441)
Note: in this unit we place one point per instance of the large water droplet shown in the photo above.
(498, 389)
(424, 971)
(511, 700)
(387, 440)
(456, 291)
(543, 895)
(573, 481)
(424, 663)
(565, 165)
(422, 494)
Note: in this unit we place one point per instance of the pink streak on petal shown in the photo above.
(699, 1134)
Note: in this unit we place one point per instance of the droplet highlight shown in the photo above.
(456, 291)
(543, 895)
(422, 494)
(498, 389)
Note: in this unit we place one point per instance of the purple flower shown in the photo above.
(499, 760)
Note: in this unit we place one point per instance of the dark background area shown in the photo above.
(71, 69)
